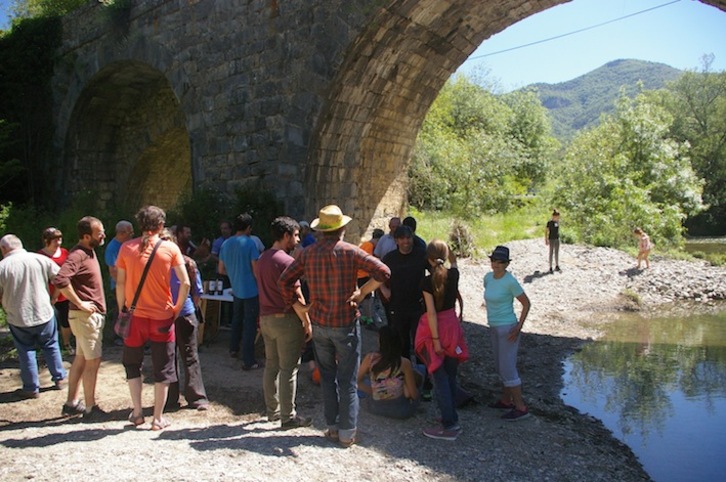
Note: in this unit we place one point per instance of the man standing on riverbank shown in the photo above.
(24, 279)
(330, 266)
(81, 282)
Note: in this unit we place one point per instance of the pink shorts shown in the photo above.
(146, 329)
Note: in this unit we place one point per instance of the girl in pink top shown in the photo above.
(644, 246)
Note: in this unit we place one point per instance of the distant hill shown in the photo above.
(578, 103)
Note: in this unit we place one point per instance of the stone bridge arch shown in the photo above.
(319, 101)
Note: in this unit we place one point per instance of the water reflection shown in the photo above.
(660, 386)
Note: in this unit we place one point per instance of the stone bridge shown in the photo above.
(319, 101)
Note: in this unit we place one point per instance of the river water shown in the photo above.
(659, 385)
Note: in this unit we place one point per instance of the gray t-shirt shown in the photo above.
(24, 279)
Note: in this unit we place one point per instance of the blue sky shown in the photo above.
(678, 34)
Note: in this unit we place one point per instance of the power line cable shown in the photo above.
(574, 31)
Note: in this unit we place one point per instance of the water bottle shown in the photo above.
(220, 287)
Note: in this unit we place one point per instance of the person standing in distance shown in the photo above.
(552, 239)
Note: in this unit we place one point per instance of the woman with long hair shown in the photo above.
(440, 340)
(389, 379)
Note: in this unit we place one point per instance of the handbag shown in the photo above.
(122, 327)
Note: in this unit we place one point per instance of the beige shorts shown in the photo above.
(88, 330)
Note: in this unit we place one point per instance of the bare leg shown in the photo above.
(161, 390)
(90, 375)
(135, 390)
(74, 378)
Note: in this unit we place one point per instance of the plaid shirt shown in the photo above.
(330, 267)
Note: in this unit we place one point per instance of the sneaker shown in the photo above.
(515, 415)
(427, 394)
(297, 422)
(557, 268)
(72, 410)
(275, 417)
(248, 368)
(95, 414)
(502, 405)
(551, 272)
(441, 433)
(26, 394)
(60, 384)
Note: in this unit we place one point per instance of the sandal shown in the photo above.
(136, 421)
(331, 435)
(157, 425)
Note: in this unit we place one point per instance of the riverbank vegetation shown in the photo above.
(657, 162)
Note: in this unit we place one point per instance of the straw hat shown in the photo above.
(330, 218)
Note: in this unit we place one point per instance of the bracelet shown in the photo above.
(435, 337)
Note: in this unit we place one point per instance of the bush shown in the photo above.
(460, 240)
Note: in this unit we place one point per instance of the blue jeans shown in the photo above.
(26, 339)
(337, 351)
(244, 328)
(445, 388)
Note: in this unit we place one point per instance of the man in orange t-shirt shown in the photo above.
(155, 312)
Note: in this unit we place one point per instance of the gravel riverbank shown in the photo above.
(230, 440)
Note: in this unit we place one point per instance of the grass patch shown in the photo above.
(487, 231)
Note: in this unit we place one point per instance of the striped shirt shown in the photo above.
(330, 267)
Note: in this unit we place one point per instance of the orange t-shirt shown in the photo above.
(366, 246)
(155, 300)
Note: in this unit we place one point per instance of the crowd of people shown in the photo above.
(309, 288)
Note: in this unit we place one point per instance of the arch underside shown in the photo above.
(392, 73)
(127, 141)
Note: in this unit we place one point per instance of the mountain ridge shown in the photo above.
(578, 103)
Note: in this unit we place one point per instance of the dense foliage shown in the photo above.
(44, 8)
(625, 173)
(697, 102)
(577, 104)
(26, 124)
(479, 153)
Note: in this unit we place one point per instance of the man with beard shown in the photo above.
(81, 282)
(281, 328)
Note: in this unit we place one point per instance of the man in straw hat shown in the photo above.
(330, 266)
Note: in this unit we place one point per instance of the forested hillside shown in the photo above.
(577, 104)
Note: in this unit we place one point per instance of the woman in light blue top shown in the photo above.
(500, 289)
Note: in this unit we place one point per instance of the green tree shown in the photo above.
(477, 152)
(628, 172)
(697, 102)
(44, 8)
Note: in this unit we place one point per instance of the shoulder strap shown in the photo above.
(143, 275)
